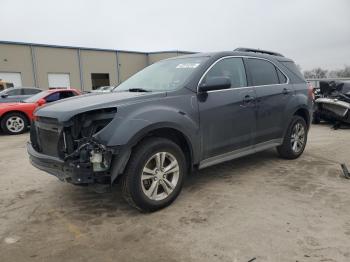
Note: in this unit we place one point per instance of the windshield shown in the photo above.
(36, 97)
(166, 75)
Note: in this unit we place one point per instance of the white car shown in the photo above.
(103, 89)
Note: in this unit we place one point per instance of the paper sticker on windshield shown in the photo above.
(188, 65)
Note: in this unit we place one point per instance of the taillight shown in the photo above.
(310, 91)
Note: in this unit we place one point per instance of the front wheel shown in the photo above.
(295, 139)
(154, 174)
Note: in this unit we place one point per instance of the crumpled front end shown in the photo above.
(333, 109)
(70, 150)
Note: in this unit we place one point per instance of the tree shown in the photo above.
(316, 73)
(344, 72)
(322, 73)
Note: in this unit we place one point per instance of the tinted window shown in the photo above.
(14, 92)
(66, 94)
(232, 68)
(262, 72)
(281, 77)
(53, 97)
(294, 70)
(28, 91)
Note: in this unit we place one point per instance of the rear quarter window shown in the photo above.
(295, 72)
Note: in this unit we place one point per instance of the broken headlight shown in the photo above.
(79, 142)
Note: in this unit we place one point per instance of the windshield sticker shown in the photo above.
(188, 65)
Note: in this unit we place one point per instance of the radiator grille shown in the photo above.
(48, 141)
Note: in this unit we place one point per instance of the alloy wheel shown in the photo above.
(160, 176)
(298, 138)
(15, 124)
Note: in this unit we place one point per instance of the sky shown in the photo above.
(314, 33)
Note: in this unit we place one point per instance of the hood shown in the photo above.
(7, 105)
(14, 104)
(64, 110)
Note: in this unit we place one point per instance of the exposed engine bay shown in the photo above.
(75, 143)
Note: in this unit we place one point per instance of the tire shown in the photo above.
(143, 182)
(14, 123)
(288, 150)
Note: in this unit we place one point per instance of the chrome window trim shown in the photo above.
(226, 57)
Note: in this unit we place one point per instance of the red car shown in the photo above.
(15, 117)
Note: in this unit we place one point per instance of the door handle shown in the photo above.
(286, 91)
(248, 99)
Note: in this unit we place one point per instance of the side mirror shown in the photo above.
(215, 83)
(41, 102)
(4, 95)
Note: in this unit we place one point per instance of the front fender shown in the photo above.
(135, 121)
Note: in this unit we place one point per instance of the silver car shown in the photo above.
(17, 94)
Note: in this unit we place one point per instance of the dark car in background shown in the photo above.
(174, 116)
(17, 94)
(332, 103)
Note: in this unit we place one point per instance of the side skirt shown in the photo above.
(239, 153)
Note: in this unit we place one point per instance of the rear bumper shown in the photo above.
(75, 173)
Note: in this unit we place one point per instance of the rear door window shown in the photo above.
(52, 97)
(262, 72)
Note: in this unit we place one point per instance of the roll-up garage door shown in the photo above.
(14, 78)
(58, 80)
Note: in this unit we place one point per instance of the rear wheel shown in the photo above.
(14, 123)
(295, 139)
(154, 175)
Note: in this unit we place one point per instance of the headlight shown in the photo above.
(89, 123)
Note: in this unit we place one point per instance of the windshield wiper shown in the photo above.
(138, 90)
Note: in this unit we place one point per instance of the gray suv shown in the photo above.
(174, 116)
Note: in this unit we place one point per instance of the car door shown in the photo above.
(273, 94)
(227, 117)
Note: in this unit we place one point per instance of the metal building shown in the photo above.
(49, 66)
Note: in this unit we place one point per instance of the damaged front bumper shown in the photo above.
(71, 152)
(68, 171)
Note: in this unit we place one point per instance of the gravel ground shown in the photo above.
(258, 207)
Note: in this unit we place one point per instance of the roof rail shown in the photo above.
(243, 49)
